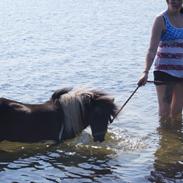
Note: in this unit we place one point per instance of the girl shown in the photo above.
(166, 48)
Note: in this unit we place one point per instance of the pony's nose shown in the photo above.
(99, 138)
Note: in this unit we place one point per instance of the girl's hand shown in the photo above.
(143, 79)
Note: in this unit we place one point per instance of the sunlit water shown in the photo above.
(50, 44)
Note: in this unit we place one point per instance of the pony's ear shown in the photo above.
(58, 93)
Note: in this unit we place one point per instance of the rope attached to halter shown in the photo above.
(155, 82)
(125, 103)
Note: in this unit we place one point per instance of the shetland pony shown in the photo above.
(64, 116)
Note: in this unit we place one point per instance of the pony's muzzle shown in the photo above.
(100, 137)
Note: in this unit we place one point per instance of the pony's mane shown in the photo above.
(72, 104)
(82, 106)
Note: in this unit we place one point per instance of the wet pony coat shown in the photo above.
(64, 116)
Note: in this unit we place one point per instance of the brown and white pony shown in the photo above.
(64, 116)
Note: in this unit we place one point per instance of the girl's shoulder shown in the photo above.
(161, 15)
(159, 21)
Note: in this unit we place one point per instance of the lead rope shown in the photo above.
(125, 103)
(155, 82)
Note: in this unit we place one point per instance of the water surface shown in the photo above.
(47, 45)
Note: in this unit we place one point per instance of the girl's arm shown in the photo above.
(157, 29)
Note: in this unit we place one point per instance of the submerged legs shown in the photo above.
(170, 99)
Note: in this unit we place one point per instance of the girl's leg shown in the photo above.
(177, 102)
(164, 93)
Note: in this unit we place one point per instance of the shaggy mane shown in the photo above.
(72, 104)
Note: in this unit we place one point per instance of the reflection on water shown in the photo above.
(76, 160)
(56, 166)
(115, 140)
(82, 160)
(168, 165)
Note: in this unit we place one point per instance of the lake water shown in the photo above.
(49, 44)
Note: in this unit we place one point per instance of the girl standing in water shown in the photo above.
(166, 48)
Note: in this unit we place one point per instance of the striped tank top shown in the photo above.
(169, 56)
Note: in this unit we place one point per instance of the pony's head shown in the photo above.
(99, 111)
